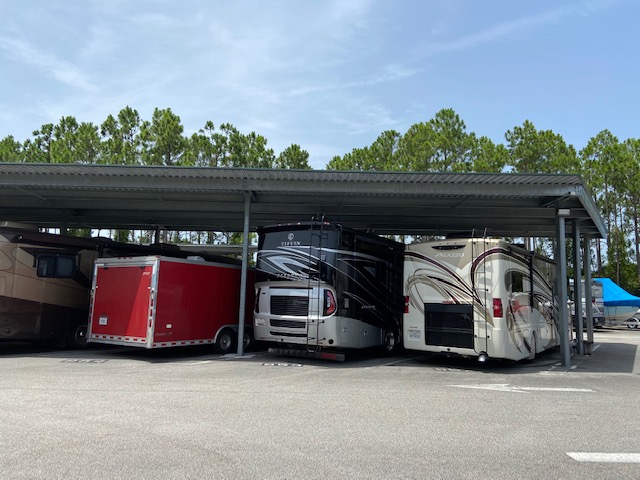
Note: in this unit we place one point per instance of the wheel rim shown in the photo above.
(389, 341)
(80, 335)
(225, 342)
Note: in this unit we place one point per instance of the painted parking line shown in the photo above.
(505, 387)
(556, 389)
(605, 457)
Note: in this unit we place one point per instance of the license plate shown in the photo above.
(414, 334)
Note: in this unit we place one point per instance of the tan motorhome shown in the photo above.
(44, 284)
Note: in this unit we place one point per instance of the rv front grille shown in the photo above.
(449, 325)
(287, 334)
(287, 323)
(290, 305)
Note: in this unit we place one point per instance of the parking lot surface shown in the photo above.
(138, 414)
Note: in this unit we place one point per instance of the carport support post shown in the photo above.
(561, 279)
(588, 292)
(243, 277)
(578, 319)
(64, 223)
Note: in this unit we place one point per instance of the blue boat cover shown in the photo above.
(616, 296)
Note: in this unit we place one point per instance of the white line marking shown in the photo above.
(500, 387)
(549, 389)
(605, 457)
(505, 387)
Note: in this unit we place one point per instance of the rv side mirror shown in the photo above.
(56, 265)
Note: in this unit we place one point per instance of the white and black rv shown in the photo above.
(479, 297)
(322, 289)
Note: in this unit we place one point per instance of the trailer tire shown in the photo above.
(226, 341)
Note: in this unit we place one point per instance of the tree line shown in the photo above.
(609, 167)
(126, 139)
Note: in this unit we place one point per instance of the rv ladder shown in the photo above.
(313, 288)
(481, 291)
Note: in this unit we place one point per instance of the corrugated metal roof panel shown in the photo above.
(121, 196)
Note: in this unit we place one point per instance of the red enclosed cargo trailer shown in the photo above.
(157, 301)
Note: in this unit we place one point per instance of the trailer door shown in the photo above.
(122, 309)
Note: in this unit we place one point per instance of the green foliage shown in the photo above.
(161, 139)
(441, 144)
(10, 150)
(487, 157)
(87, 143)
(38, 150)
(537, 151)
(124, 236)
(121, 138)
(293, 157)
(206, 148)
(416, 149)
(79, 232)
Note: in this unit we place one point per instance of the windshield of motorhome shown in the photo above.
(295, 254)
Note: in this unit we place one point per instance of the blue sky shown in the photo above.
(328, 75)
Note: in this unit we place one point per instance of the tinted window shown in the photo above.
(56, 265)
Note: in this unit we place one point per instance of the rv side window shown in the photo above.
(516, 285)
(56, 266)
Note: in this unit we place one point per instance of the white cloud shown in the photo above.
(102, 42)
(518, 27)
(390, 73)
(364, 117)
(47, 63)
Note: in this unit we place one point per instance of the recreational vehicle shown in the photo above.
(322, 289)
(479, 297)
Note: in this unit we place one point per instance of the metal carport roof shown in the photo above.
(197, 198)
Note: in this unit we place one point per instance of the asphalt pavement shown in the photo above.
(112, 412)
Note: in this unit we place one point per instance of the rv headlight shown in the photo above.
(259, 322)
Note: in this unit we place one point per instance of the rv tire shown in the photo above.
(226, 341)
(247, 340)
(77, 336)
(390, 341)
(534, 347)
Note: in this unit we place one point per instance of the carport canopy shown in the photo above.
(215, 199)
